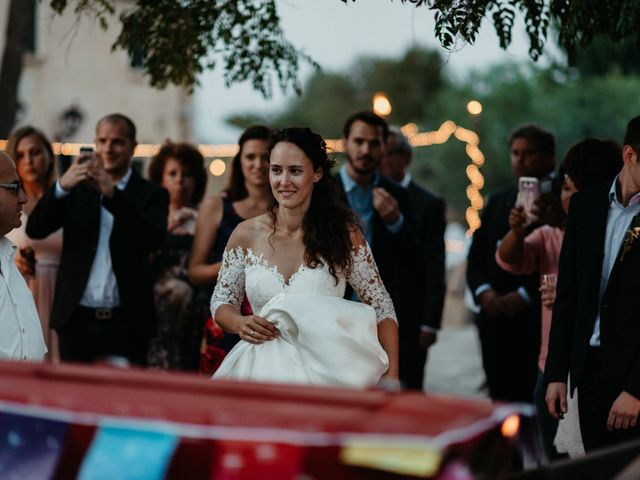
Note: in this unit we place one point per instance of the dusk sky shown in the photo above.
(335, 34)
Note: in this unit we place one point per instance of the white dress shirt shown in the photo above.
(20, 329)
(618, 222)
(102, 288)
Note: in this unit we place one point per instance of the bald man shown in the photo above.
(20, 330)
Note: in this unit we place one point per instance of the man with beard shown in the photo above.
(509, 318)
(387, 218)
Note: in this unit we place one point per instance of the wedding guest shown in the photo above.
(247, 195)
(586, 164)
(595, 335)
(113, 220)
(385, 211)
(21, 337)
(428, 284)
(179, 168)
(509, 318)
(37, 260)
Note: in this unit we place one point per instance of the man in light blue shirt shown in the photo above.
(595, 331)
(387, 218)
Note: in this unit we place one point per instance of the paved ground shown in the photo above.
(454, 365)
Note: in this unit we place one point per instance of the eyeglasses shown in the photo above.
(15, 187)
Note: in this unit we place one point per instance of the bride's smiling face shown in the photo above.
(291, 175)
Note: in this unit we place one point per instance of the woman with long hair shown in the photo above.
(37, 260)
(246, 196)
(293, 264)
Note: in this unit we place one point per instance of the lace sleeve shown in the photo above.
(366, 282)
(230, 285)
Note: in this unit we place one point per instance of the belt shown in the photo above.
(100, 313)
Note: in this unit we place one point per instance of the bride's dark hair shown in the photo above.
(328, 223)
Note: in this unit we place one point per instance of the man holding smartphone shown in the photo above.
(112, 220)
(509, 318)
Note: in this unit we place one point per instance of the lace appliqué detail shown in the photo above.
(252, 274)
(230, 285)
(366, 282)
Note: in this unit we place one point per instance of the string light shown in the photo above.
(381, 104)
(474, 107)
(217, 167)
(219, 152)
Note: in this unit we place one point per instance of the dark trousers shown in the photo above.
(411, 356)
(548, 426)
(88, 336)
(594, 406)
(411, 360)
(510, 348)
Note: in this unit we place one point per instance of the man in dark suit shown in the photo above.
(385, 211)
(428, 282)
(112, 221)
(509, 318)
(595, 332)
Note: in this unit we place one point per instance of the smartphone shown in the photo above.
(86, 154)
(528, 193)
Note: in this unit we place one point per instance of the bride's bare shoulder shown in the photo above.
(250, 232)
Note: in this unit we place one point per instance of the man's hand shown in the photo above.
(557, 397)
(427, 338)
(511, 304)
(99, 179)
(489, 303)
(386, 206)
(518, 221)
(624, 412)
(77, 172)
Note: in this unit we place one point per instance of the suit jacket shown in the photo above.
(430, 284)
(396, 254)
(140, 222)
(482, 267)
(576, 303)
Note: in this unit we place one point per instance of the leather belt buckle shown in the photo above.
(104, 313)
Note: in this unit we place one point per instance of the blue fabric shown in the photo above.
(30, 447)
(128, 454)
(361, 200)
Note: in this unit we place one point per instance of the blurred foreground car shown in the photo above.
(90, 422)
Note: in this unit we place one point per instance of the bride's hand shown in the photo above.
(257, 330)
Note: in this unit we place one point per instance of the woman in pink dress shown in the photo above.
(522, 251)
(37, 260)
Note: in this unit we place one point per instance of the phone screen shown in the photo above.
(87, 153)
(528, 193)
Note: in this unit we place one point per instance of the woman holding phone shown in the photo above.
(37, 260)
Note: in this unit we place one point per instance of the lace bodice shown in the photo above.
(246, 272)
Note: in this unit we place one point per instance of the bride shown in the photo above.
(293, 263)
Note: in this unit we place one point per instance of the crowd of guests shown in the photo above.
(137, 260)
(554, 289)
(99, 262)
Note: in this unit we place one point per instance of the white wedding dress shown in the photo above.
(324, 339)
